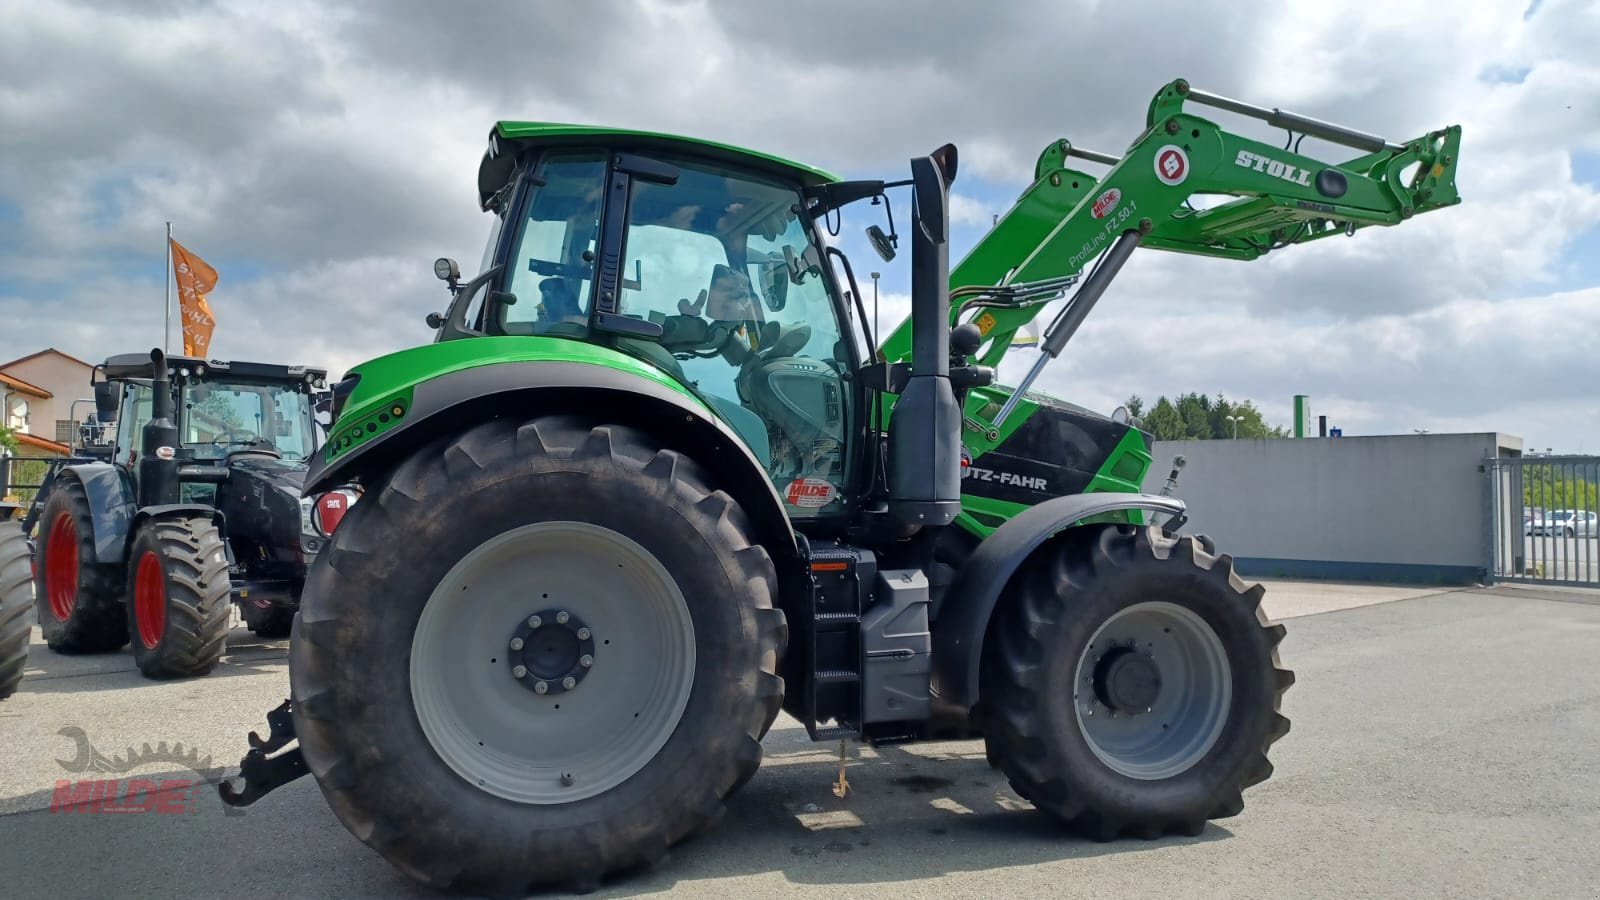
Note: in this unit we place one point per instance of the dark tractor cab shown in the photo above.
(202, 472)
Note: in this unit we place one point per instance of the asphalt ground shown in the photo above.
(1443, 745)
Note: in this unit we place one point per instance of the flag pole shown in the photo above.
(166, 279)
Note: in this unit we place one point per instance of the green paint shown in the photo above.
(387, 382)
(1064, 220)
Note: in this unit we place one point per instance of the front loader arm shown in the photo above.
(1067, 218)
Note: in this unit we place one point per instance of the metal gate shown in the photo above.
(1545, 519)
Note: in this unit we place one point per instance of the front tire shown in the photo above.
(79, 601)
(415, 685)
(16, 602)
(180, 597)
(1168, 648)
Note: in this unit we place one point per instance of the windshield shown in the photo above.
(224, 417)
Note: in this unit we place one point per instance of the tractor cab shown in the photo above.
(221, 409)
(703, 262)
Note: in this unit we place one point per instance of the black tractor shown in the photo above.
(193, 507)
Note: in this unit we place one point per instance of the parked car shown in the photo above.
(1568, 523)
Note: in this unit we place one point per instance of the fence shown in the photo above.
(20, 477)
(1545, 519)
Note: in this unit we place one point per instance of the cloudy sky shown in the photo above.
(321, 160)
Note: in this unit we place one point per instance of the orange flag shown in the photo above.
(195, 280)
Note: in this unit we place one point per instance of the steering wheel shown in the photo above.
(228, 437)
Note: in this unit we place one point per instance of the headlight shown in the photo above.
(307, 519)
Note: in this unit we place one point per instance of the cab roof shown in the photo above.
(509, 138)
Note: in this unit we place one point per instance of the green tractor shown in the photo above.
(655, 480)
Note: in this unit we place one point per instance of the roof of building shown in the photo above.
(67, 356)
(33, 440)
(23, 386)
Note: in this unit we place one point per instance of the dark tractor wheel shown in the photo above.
(178, 579)
(79, 601)
(268, 622)
(16, 606)
(1175, 687)
(567, 675)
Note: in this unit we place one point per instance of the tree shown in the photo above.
(1165, 422)
(1195, 416)
(8, 440)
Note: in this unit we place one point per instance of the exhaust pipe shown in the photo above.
(158, 445)
(925, 431)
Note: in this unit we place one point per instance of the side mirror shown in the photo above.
(881, 242)
(105, 401)
(774, 276)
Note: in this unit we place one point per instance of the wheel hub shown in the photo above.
(1126, 681)
(552, 651)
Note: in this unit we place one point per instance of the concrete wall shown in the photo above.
(1401, 508)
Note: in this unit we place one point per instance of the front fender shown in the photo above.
(970, 600)
(582, 382)
(112, 507)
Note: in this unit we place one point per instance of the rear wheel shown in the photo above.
(178, 582)
(1132, 685)
(567, 677)
(79, 601)
(16, 604)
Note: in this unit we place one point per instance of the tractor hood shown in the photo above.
(281, 473)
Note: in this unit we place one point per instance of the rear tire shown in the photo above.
(16, 604)
(1197, 698)
(78, 601)
(180, 597)
(435, 762)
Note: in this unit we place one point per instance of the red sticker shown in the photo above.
(1105, 203)
(809, 493)
(1172, 164)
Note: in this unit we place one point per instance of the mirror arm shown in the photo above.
(855, 292)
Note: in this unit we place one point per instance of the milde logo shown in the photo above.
(159, 795)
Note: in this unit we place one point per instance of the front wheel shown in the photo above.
(16, 604)
(1131, 684)
(569, 672)
(180, 597)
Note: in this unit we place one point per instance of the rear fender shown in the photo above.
(969, 602)
(459, 399)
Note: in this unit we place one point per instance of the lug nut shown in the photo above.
(583, 634)
(519, 672)
(586, 661)
(516, 643)
(562, 617)
(567, 779)
(535, 621)
(569, 682)
(541, 688)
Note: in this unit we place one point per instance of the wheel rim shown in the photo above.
(61, 567)
(1153, 690)
(491, 723)
(150, 600)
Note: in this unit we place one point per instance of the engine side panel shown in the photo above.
(1057, 450)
